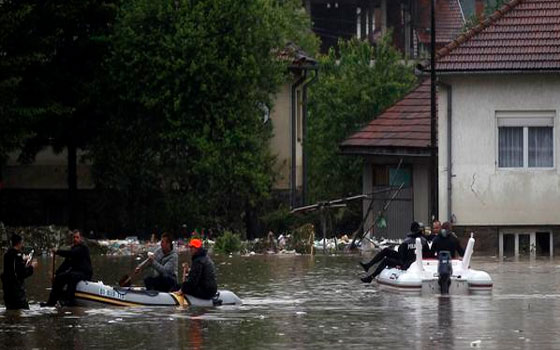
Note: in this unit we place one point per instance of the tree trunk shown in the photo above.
(72, 185)
(251, 222)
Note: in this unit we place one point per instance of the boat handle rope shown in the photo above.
(124, 291)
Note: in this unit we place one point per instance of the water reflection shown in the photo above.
(444, 337)
(297, 302)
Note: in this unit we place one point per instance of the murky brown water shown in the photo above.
(302, 302)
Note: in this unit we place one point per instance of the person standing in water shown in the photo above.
(16, 270)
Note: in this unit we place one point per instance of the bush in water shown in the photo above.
(228, 243)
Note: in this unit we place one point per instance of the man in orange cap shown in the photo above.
(200, 280)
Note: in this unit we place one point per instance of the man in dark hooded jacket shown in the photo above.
(446, 240)
(16, 270)
(75, 268)
(388, 257)
(201, 277)
(407, 249)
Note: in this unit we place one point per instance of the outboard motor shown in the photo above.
(445, 270)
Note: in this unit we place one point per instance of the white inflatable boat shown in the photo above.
(95, 294)
(423, 276)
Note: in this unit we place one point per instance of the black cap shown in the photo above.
(414, 227)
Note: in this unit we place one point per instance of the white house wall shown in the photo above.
(482, 194)
(280, 144)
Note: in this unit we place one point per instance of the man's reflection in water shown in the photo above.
(191, 336)
(443, 339)
(12, 335)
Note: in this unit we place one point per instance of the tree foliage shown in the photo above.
(51, 55)
(185, 141)
(490, 6)
(354, 87)
(15, 59)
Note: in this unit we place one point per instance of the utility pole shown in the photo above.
(433, 118)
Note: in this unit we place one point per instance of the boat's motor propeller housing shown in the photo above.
(445, 270)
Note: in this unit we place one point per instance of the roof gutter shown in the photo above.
(384, 151)
(305, 156)
(293, 178)
(486, 72)
(434, 197)
(449, 150)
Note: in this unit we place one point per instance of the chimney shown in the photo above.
(479, 8)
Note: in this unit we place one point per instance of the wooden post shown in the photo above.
(324, 228)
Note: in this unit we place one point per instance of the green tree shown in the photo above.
(23, 53)
(51, 59)
(186, 140)
(353, 88)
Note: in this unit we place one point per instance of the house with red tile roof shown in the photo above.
(498, 159)
(499, 99)
(396, 150)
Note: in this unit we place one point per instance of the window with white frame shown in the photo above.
(525, 139)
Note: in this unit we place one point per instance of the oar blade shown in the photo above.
(125, 281)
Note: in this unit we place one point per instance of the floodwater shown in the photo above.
(304, 302)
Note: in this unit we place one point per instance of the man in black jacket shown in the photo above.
(201, 277)
(407, 249)
(446, 240)
(389, 257)
(16, 270)
(75, 268)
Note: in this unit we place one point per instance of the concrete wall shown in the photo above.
(280, 143)
(487, 237)
(483, 194)
(49, 171)
(421, 194)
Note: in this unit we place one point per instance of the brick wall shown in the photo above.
(487, 239)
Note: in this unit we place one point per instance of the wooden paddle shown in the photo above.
(126, 280)
(54, 256)
(53, 266)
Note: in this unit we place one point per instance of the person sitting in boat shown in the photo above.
(164, 264)
(447, 240)
(407, 249)
(200, 279)
(436, 227)
(76, 267)
(388, 257)
(16, 270)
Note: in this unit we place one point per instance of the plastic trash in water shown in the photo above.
(476, 343)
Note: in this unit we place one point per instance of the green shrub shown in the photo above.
(302, 239)
(228, 243)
